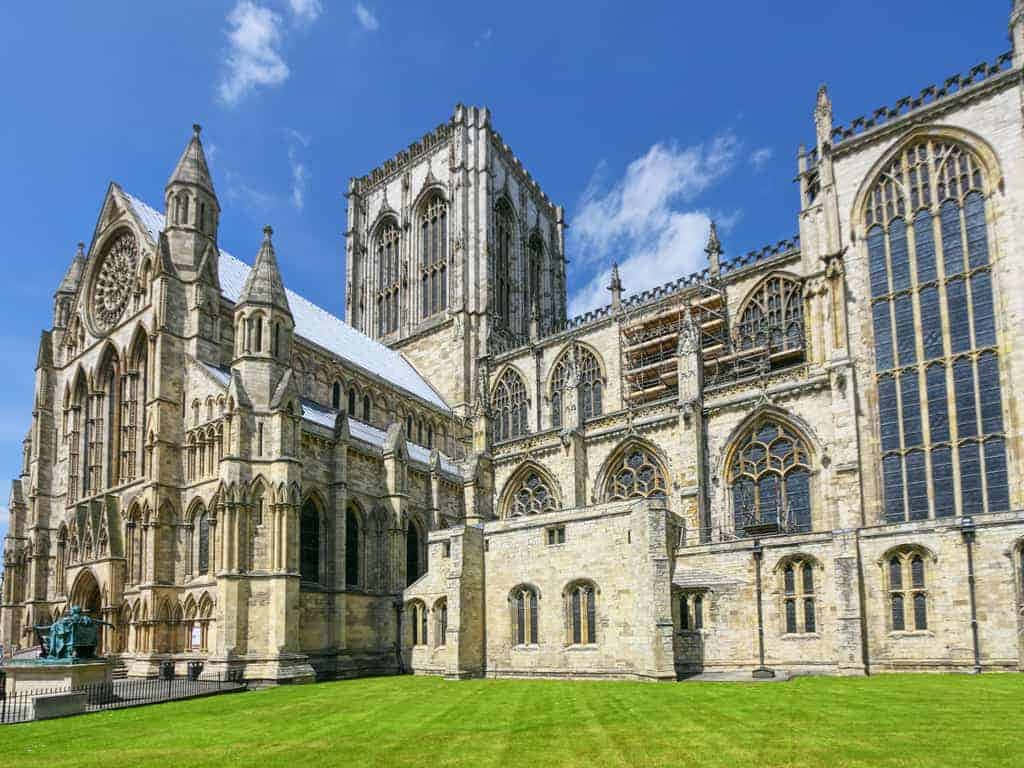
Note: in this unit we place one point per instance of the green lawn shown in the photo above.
(905, 720)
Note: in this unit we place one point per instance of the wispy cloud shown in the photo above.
(759, 158)
(306, 11)
(300, 171)
(241, 191)
(484, 37)
(253, 58)
(366, 18)
(641, 220)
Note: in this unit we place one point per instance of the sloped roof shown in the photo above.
(314, 323)
(191, 167)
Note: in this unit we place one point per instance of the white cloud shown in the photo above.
(759, 158)
(484, 37)
(253, 58)
(306, 11)
(300, 171)
(640, 221)
(366, 17)
(253, 199)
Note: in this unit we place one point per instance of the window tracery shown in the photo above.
(770, 479)
(581, 604)
(531, 495)
(798, 596)
(113, 283)
(504, 234)
(636, 474)
(509, 406)
(908, 593)
(773, 319)
(524, 615)
(587, 379)
(434, 256)
(939, 395)
(388, 277)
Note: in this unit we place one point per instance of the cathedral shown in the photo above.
(802, 459)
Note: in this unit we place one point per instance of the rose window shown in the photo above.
(114, 281)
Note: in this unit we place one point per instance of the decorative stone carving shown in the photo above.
(113, 283)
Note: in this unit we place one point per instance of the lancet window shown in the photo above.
(386, 245)
(434, 256)
(504, 234)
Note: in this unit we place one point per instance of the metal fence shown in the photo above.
(19, 707)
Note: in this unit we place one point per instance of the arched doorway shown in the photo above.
(86, 595)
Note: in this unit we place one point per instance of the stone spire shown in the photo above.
(74, 274)
(714, 250)
(192, 168)
(615, 286)
(264, 284)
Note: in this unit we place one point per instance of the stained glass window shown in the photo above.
(929, 275)
(770, 479)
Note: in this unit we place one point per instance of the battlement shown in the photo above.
(517, 165)
(413, 152)
(951, 86)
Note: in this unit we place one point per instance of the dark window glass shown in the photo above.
(876, 256)
(592, 616)
(893, 473)
(576, 623)
(888, 413)
(366, 408)
(920, 612)
(790, 616)
(917, 485)
(906, 333)
(351, 548)
(963, 385)
(917, 572)
(952, 245)
(768, 497)
(898, 255)
(684, 613)
(789, 580)
(798, 499)
(938, 409)
(911, 409)
(808, 575)
(977, 236)
(984, 314)
(520, 618)
(204, 544)
(956, 306)
(924, 247)
(352, 403)
(931, 322)
(809, 615)
(533, 617)
(942, 474)
(336, 395)
(698, 613)
(895, 573)
(883, 335)
(989, 393)
(897, 613)
(309, 534)
(995, 474)
(970, 479)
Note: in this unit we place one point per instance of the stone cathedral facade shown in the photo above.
(807, 458)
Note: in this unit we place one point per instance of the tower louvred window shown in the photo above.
(434, 256)
(386, 245)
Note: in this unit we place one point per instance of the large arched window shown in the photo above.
(388, 278)
(635, 473)
(434, 256)
(504, 237)
(352, 545)
(529, 493)
(309, 535)
(524, 615)
(509, 406)
(773, 318)
(589, 384)
(770, 478)
(939, 396)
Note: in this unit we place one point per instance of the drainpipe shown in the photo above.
(967, 530)
(762, 672)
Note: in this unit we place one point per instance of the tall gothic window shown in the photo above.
(770, 477)
(589, 385)
(203, 564)
(441, 622)
(530, 495)
(581, 605)
(133, 411)
(79, 402)
(524, 615)
(773, 318)
(434, 256)
(936, 359)
(504, 229)
(418, 622)
(908, 593)
(509, 406)
(352, 541)
(309, 536)
(636, 474)
(388, 277)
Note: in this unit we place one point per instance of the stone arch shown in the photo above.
(529, 490)
(618, 477)
(791, 420)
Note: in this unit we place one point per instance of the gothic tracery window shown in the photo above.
(504, 229)
(939, 395)
(773, 319)
(908, 592)
(524, 615)
(798, 596)
(531, 495)
(636, 474)
(388, 277)
(434, 256)
(309, 542)
(509, 406)
(581, 606)
(770, 478)
(589, 385)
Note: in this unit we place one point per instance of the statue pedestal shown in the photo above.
(39, 676)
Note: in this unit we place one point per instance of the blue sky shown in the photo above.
(642, 119)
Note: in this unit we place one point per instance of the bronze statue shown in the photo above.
(73, 636)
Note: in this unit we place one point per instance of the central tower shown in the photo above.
(452, 251)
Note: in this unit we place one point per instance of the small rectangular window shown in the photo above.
(446, 549)
(556, 535)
